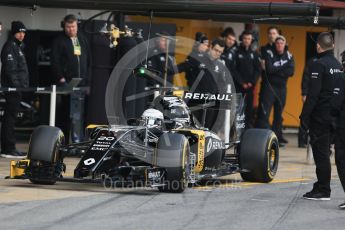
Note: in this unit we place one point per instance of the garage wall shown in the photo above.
(339, 36)
(296, 39)
(41, 19)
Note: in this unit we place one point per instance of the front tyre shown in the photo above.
(172, 154)
(45, 159)
(259, 155)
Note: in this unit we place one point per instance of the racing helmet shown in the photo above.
(152, 117)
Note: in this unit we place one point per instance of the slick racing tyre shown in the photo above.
(172, 154)
(259, 155)
(44, 155)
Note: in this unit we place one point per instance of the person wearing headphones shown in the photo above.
(247, 70)
(14, 73)
(193, 60)
(162, 61)
(317, 114)
(70, 58)
(278, 68)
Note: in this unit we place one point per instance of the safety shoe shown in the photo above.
(13, 154)
(316, 195)
(342, 206)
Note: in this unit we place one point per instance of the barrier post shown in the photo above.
(52, 106)
(227, 121)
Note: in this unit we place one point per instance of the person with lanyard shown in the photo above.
(71, 58)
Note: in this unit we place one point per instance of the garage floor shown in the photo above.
(231, 204)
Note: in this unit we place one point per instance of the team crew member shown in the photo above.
(279, 67)
(162, 62)
(211, 77)
(193, 60)
(340, 133)
(70, 58)
(230, 50)
(317, 113)
(268, 50)
(14, 73)
(302, 136)
(248, 71)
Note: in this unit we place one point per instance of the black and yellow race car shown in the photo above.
(165, 148)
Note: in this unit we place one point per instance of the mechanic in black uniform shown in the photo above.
(248, 71)
(302, 135)
(199, 50)
(211, 76)
(340, 131)
(265, 52)
(278, 68)
(268, 50)
(158, 61)
(317, 116)
(14, 73)
(70, 58)
(230, 50)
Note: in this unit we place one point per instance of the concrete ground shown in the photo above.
(233, 204)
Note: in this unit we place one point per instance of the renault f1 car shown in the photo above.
(165, 148)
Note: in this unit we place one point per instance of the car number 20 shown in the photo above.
(104, 138)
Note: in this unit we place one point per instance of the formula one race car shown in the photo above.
(165, 148)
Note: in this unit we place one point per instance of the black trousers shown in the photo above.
(249, 107)
(340, 154)
(320, 139)
(8, 139)
(63, 117)
(302, 137)
(276, 97)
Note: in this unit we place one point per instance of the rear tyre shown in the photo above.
(45, 160)
(172, 154)
(259, 155)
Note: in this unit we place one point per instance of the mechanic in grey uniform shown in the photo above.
(317, 115)
(14, 73)
(211, 76)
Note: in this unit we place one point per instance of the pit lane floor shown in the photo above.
(231, 204)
